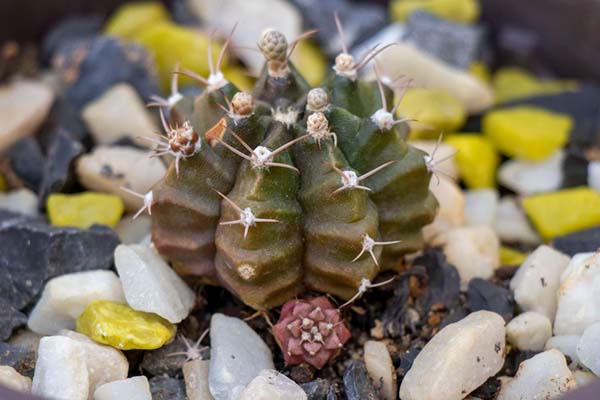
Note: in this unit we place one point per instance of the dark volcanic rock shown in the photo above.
(27, 162)
(575, 168)
(67, 119)
(357, 384)
(317, 389)
(10, 319)
(394, 316)
(69, 32)
(408, 357)
(18, 357)
(106, 62)
(578, 242)
(484, 295)
(167, 388)
(443, 282)
(160, 362)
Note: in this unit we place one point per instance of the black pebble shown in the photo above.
(27, 162)
(485, 295)
(167, 388)
(578, 242)
(443, 285)
(20, 358)
(68, 32)
(357, 384)
(317, 389)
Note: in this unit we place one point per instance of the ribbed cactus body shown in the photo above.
(286, 190)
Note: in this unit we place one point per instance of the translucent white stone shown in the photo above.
(195, 374)
(381, 369)
(537, 280)
(593, 176)
(458, 359)
(584, 377)
(526, 177)
(588, 349)
(134, 231)
(61, 370)
(567, 345)
(150, 285)
(65, 297)
(237, 356)
(529, 331)
(272, 385)
(481, 206)
(512, 224)
(136, 388)
(578, 296)
(544, 376)
(22, 201)
(451, 211)
(10, 378)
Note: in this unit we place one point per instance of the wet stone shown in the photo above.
(18, 357)
(167, 388)
(485, 295)
(27, 161)
(357, 383)
(317, 389)
(578, 242)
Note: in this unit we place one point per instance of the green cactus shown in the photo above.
(288, 188)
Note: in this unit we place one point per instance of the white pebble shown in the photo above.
(237, 356)
(381, 369)
(542, 377)
(588, 349)
(134, 231)
(567, 345)
(537, 280)
(22, 201)
(512, 224)
(526, 177)
(150, 285)
(10, 378)
(584, 377)
(60, 369)
(118, 113)
(474, 251)
(65, 297)
(481, 206)
(272, 385)
(136, 388)
(458, 359)
(195, 375)
(529, 331)
(451, 211)
(593, 176)
(578, 299)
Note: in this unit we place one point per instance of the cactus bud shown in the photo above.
(242, 104)
(317, 100)
(273, 45)
(345, 66)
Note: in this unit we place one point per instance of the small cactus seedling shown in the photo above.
(288, 188)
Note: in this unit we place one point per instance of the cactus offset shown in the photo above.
(288, 188)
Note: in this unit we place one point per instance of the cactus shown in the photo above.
(288, 188)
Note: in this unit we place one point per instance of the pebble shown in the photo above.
(578, 300)
(563, 212)
(357, 384)
(21, 358)
(584, 377)
(27, 162)
(71, 380)
(511, 257)
(476, 158)
(65, 297)
(237, 355)
(24, 105)
(317, 389)
(122, 327)
(485, 295)
(435, 110)
(443, 282)
(62, 152)
(481, 207)
(526, 177)
(272, 385)
(104, 364)
(109, 168)
(428, 72)
(22, 201)
(527, 133)
(150, 285)
(513, 83)
(451, 210)
(163, 361)
(195, 375)
(511, 223)
(444, 152)
(529, 331)
(68, 31)
(455, 43)
(578, 242)
(136, 388)
(474, 251)
(566, 344)
(381, 369)
(222, 15)
(458, 359)
(106, 62)
(544, 376)
(104, 117)
(588, 349)
(131, 18)
(537, 280)
(593, 175)
(11, 379)
(167, 388)
(462, 11)
(85, 209)
(132, 231)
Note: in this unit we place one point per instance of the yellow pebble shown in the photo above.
(120, 326)
(131, 18)
(481, 71)
(463, 11)
(3, 185)
(563, 212)
(528, 133)
(239, 77)
(84, 209)
(310, 62)
(476, 158)
(169, 43)
(435, 110)
(513, 83)
(509, 256)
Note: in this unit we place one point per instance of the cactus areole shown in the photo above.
(288, 188)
